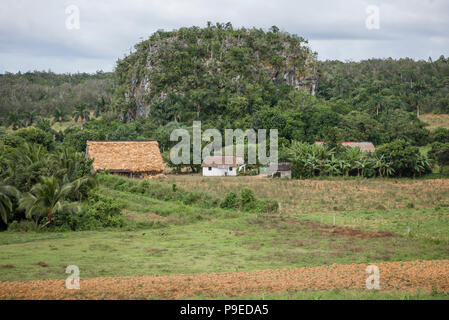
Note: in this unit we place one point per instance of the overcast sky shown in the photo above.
(34, 34)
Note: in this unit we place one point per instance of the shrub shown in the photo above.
(230, 201)
(270, 206)
(12, 140)
(439, 135)
(405, 159)
(99, 212)
(191, 198)
(77, 138)
(22, 226)
(439, 153)
(36, 135)
(247, 201)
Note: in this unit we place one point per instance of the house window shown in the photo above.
(210, 168)
(230, 169)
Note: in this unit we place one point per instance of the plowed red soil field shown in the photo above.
(399, 276)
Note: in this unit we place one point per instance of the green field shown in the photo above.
(171, 237)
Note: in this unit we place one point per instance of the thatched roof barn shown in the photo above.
(133, 158)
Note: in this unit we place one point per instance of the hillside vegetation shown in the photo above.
(197, 73)
(250, 78)
(247, 78)
(380, 86)
(42, 92)
(238, 78)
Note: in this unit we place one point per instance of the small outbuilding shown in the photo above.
(280, 170)
(221, 166)
(138, 159)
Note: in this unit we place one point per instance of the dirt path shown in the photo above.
(400, 276)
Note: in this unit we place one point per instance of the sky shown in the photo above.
(87, 36)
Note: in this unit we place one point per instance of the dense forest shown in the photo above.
(380, 85)
(43, 92)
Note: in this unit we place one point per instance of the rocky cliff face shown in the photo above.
(190, 66)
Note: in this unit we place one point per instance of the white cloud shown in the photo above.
(33, 35)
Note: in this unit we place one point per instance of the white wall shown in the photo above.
(219, 172)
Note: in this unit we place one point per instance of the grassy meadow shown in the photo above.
(372, 220)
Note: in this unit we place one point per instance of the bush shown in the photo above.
(99, 212)
(439, 135)
(12, 140)
(248, 199)
(405, 159)
(104, 211)
(439, 153)
(22, 226)
(36, 135)
(230, 201)
(76, 138)
(248, 202)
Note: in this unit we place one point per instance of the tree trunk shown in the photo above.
(37, 224)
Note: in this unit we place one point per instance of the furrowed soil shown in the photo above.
(426, 276)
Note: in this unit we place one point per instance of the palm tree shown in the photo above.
(81, 112)
(46, 199)
(29, 118)
(28, 154)
(13, 119)
(99, 107)
(88, 181)
(59, 115)
(6, 193)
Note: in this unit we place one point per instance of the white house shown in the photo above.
(220, 166)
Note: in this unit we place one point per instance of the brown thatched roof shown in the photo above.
(217, 161)
(125, 156)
